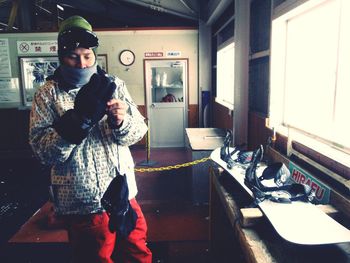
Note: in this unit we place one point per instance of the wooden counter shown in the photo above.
(201, 142)
(230, 242)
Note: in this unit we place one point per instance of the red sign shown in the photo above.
(153, 54)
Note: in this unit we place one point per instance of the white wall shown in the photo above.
(139, 41)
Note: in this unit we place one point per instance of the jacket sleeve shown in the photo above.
(48, 146)
(133, 127)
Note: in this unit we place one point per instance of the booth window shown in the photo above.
(225, 74)
(310, 59)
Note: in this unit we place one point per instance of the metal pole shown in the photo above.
(148, 161)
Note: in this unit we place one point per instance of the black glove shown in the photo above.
(72, 127)
(122, 217)
(89, 107)
(91, 100)
(124, 222)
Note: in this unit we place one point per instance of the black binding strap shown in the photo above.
(285, 190)
(243, 157)
(225, 153)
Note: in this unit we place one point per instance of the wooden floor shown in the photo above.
(178, 228)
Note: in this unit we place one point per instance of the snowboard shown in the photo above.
(298, 222)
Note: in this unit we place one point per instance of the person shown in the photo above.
(82, 123)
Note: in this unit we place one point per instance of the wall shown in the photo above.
(111, 43)
(223, 116)
(139, 41)
(259, 72)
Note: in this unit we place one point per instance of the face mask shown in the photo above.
(77, 76)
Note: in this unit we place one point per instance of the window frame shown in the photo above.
(220, 99)
(281, 14)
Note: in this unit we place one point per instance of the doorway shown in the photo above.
(166, 101)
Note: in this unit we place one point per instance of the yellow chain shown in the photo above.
(170, 167)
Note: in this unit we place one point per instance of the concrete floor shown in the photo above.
(178, 228)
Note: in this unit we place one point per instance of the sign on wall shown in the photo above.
(9, 91)
(5, 66)
(153, 54)
(322, 192)
(37, 47)
(173, 53)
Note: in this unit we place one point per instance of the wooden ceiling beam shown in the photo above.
(13, 14)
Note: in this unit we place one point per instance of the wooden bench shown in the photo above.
(191, 224)
(39, 230)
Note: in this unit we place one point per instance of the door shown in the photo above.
(166, 102)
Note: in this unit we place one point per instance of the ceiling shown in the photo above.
(44, 15)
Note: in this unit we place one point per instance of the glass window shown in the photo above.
(225, 75)
(310, 60)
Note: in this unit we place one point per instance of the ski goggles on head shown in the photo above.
(77, 37)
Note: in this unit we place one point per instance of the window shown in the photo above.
(310, 83)
(225, 74)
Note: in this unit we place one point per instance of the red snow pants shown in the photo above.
(92, 242)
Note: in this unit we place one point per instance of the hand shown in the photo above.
(91, 100)
(117, 111)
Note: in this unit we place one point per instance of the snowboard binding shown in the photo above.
(226, 154)
(284, 191)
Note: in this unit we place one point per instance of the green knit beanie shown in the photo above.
(74, 21)
(75, 32)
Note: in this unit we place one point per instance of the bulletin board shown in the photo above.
(35, 70)
(9, 88)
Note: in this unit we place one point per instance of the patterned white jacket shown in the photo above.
(80, 174)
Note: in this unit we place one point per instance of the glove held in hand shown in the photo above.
(72, 127)
(91, 100)
(122, 217)
(89, 108)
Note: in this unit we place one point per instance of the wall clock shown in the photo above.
(126, 57)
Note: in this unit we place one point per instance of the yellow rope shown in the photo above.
(170, 167)
(148, 139)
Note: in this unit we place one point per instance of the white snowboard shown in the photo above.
(297, 222)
